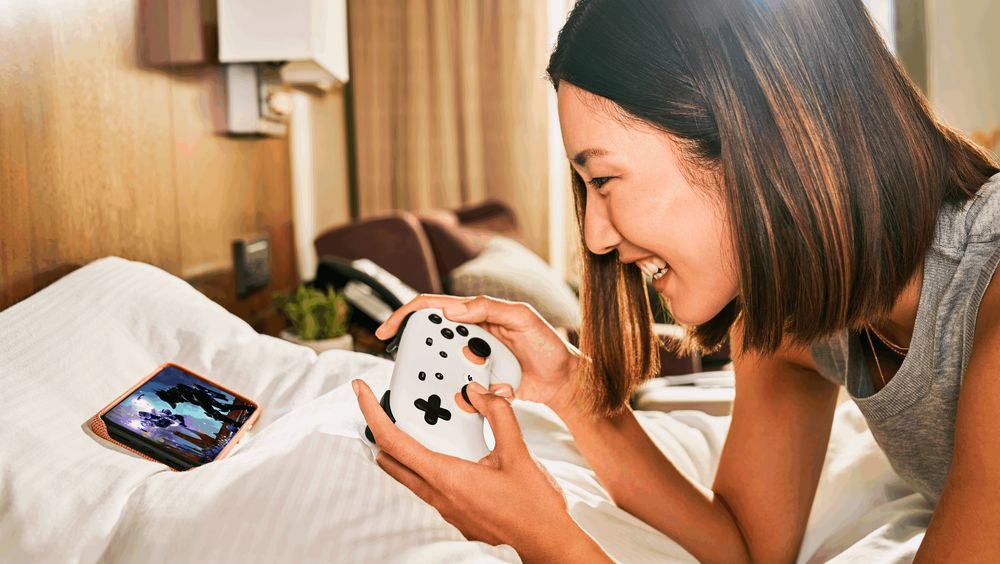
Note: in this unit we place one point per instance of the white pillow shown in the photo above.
(508, 270)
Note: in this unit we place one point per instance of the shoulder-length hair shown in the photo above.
(834, 168)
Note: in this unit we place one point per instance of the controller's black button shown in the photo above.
(447, 333)
(470, 377)
(480, 347)
(465, 394)
(439, 376)
(422, 376)
(393, 345)
(443, 354)
(432, 409)
(435, 318)
(384, 402)
(462, 330)
(429, 341)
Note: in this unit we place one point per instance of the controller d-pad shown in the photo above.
(432, 409)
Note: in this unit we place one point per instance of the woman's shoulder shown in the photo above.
(976, 220)
(982, 218)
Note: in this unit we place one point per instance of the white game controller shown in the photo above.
(436, 359)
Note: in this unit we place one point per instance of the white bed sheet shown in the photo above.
(303, 486)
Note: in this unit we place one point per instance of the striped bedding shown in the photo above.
(302, 486)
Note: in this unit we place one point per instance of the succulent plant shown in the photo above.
(313, 314)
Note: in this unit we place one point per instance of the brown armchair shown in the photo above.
(421, 250)
(395, 241)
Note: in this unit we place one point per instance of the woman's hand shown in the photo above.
(505, 498)
(548, 363)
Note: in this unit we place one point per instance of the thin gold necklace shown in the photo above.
(875, 354)
(901, 351)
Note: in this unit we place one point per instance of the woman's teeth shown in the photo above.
(654, 267)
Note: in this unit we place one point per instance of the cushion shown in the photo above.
(507, 269)
(451, 244)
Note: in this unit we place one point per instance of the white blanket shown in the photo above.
(303, 486)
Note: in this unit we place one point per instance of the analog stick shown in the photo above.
(479, 347)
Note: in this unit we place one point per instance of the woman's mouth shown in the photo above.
(654, 267)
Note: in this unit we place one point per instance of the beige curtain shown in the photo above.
(449, 102)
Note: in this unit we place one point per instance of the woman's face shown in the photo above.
(640, 204)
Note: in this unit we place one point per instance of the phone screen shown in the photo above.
(178, 418)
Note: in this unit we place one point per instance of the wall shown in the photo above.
(320, 181)
(99, 156)
(963, 77)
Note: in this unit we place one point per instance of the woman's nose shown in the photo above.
(598, 232)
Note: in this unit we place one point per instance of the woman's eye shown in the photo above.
(599, 182)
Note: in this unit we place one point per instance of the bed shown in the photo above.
(303, 486)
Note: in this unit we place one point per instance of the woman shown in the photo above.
(770, 166)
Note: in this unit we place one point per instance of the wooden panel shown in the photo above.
(88, 172)
(100, 156)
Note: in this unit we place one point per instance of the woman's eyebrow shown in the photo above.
(581, 157)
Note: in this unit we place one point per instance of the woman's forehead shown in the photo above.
(590, 127)
(594, 129)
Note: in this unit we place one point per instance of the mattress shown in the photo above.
(303, 485)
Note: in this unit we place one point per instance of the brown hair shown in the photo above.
(833, 165)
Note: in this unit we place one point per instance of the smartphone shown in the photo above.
(179, 418)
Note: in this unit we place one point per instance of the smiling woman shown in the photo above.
(744, 144)
(771, 168)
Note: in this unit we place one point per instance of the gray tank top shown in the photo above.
(913, 417)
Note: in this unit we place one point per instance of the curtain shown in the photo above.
(449, 106)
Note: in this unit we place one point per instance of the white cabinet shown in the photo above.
(309, 36)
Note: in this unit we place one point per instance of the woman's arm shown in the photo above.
(767, 476)
(967, 518)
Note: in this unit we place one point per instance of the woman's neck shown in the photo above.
(898, 328)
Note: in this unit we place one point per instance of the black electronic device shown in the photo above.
(252, 263)
(372, 300)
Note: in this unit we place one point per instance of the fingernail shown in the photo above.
(378, 332)
(503, 392)
(354, 385)
(478, 388)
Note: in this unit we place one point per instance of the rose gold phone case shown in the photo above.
(97, 425)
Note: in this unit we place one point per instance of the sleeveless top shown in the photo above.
(913, 416)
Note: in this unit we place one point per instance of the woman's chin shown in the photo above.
(691, 312)
(690, 319)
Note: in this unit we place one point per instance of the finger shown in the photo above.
(391, 325)
(494, 311)
(407, 477)
(389, 438)
(500, 414)
(506, 391)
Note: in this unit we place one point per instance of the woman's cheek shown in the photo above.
(696, 302)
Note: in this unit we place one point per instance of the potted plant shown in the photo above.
(318, 319)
